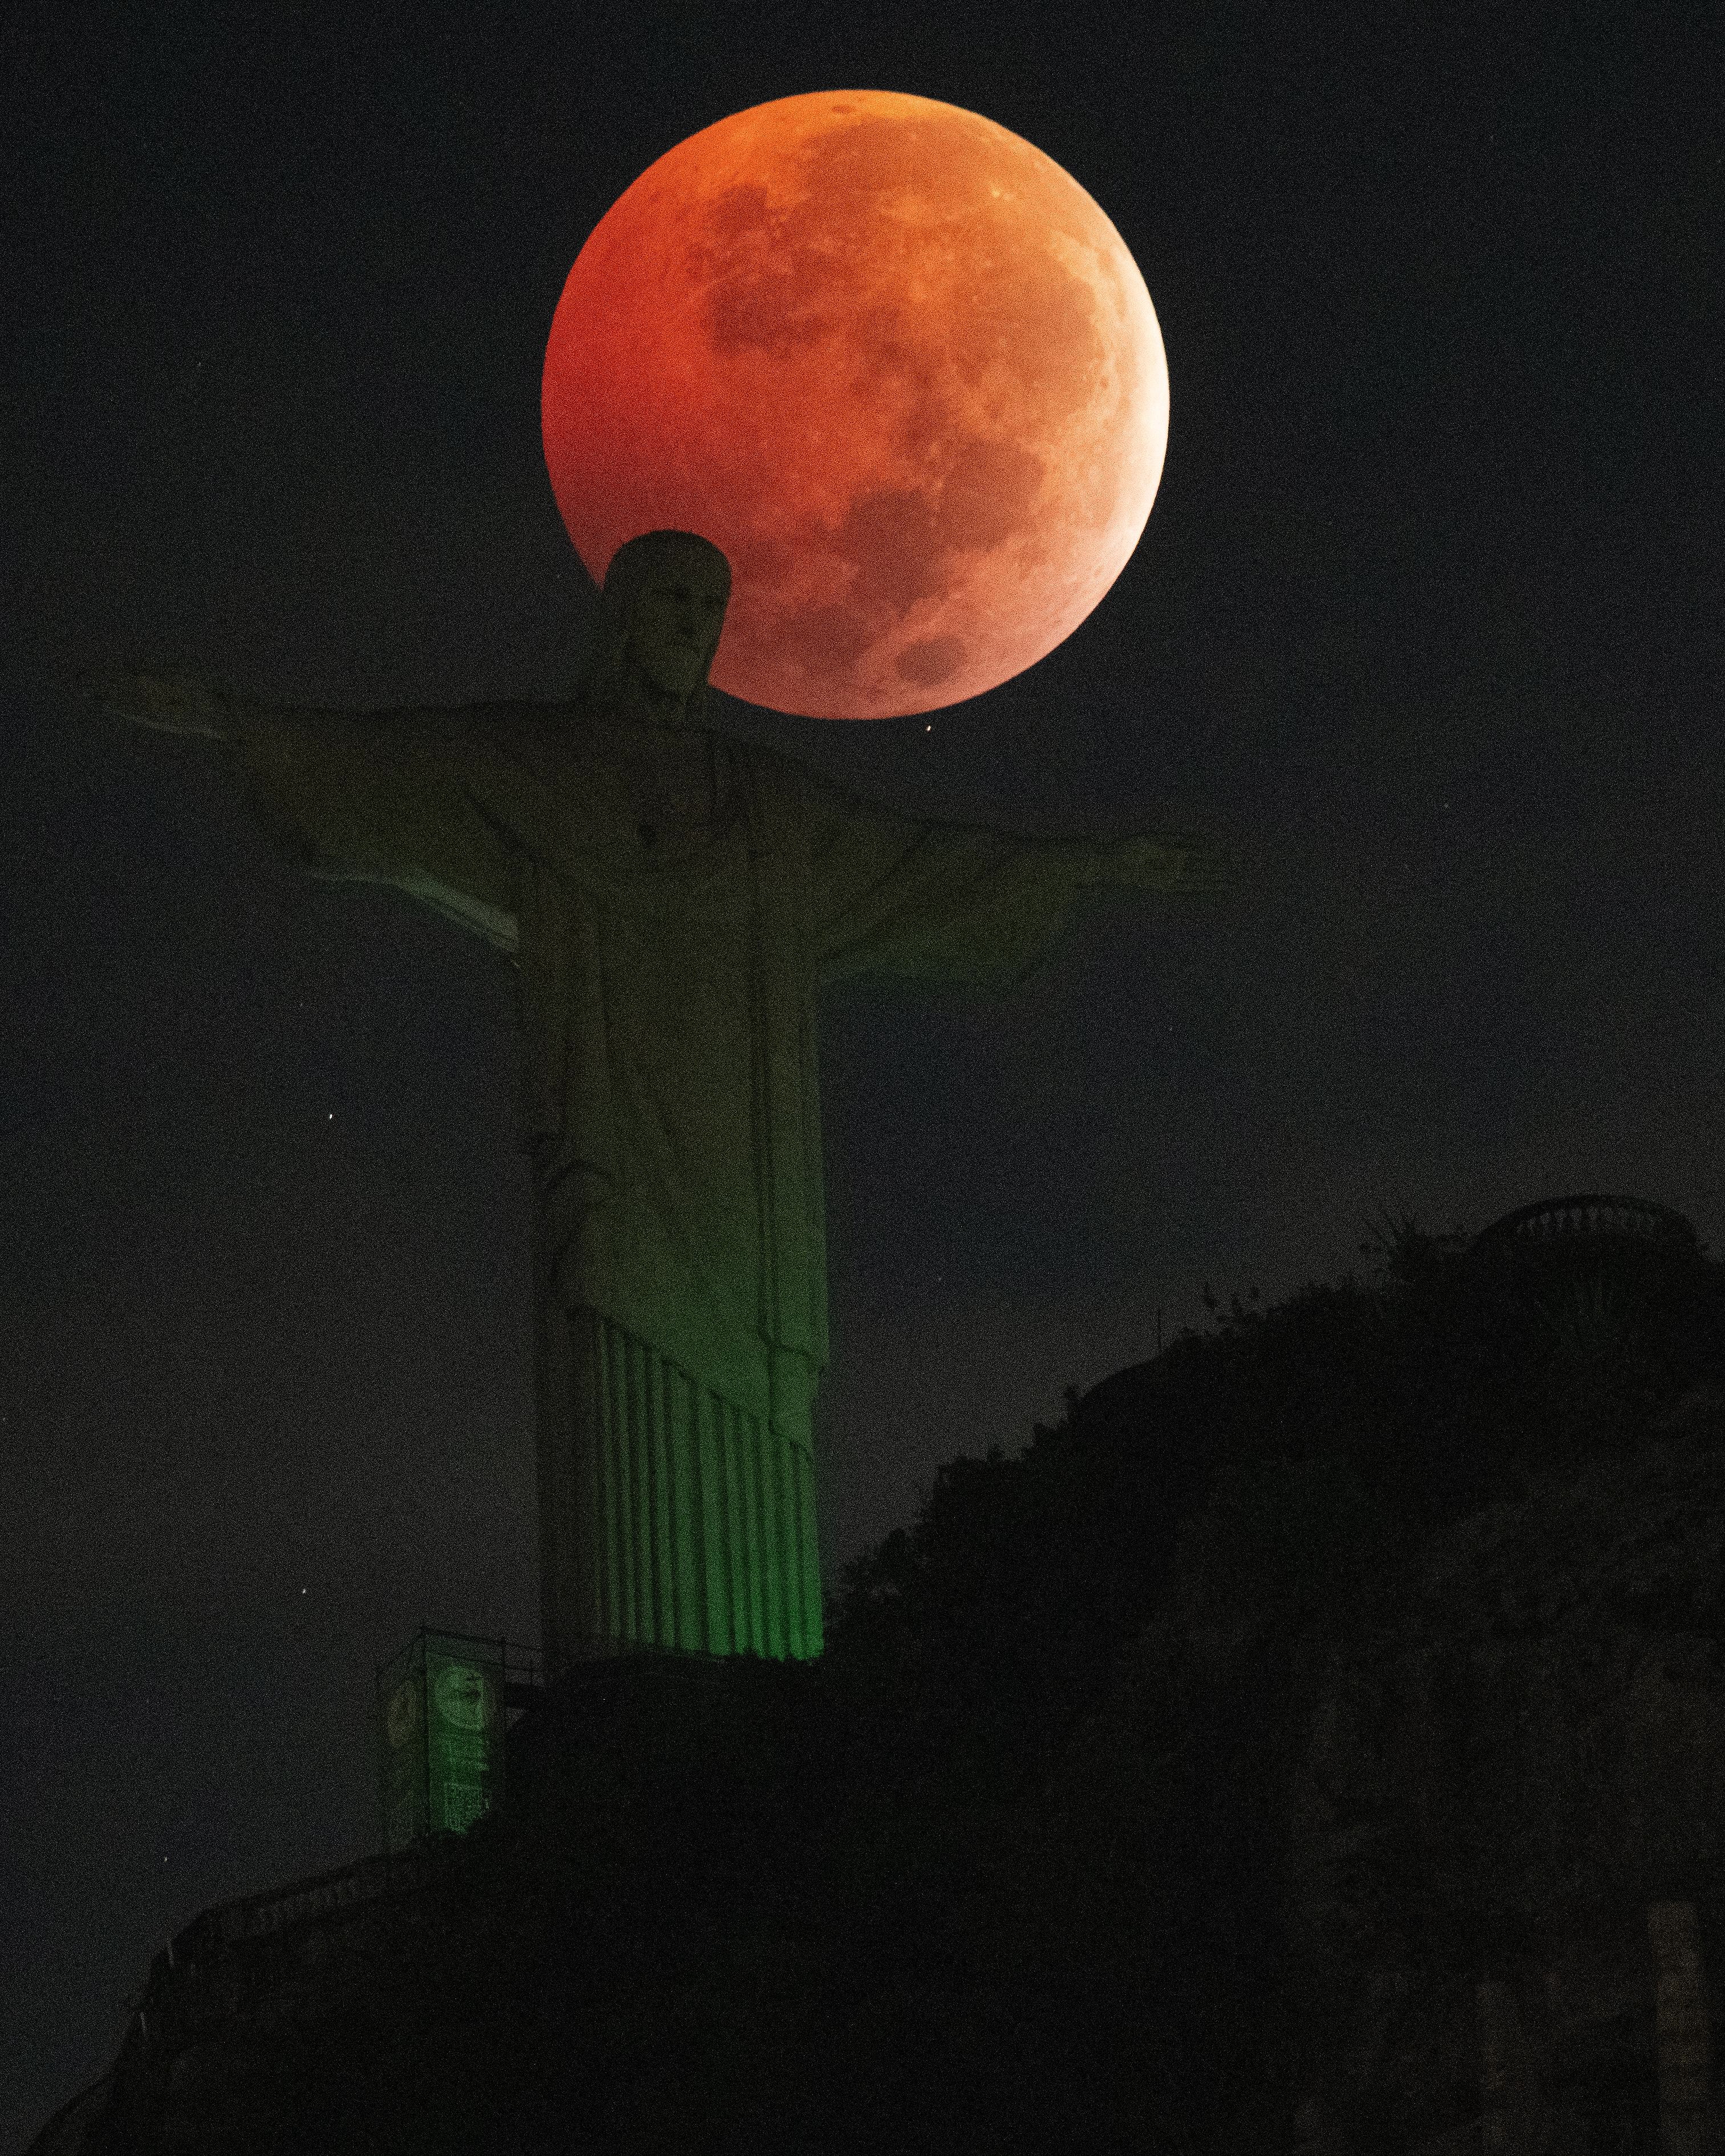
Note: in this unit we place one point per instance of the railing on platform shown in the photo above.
(1591, 1214)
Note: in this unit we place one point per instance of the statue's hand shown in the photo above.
(172, 703)
(1156, 861)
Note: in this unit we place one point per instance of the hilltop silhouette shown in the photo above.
(1332, 1688)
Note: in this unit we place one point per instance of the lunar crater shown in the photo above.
(927, 665)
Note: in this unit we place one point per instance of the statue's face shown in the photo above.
(678, 614)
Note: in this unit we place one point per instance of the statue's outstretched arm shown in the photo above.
(1152, 861)
(375, 797)
(922, 898)
(1135, 860)
(173, 703)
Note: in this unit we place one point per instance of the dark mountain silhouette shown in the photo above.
(1168, 1786)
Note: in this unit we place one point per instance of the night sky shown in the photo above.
(1427, 618)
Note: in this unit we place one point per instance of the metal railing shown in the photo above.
(1590, 1214)
(523, 1676)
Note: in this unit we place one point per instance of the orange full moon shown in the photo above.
(892, 360)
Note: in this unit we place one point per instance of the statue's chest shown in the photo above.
(658, 825)
(677, 795)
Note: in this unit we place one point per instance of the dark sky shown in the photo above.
(1428, 614)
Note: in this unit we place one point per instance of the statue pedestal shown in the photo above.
(664, 1727)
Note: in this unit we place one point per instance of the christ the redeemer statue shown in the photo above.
(672, 900)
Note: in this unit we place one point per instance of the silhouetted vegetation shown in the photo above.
(1003, 1870)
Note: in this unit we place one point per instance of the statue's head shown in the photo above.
(662, 610)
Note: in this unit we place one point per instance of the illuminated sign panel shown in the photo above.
(441, 1722)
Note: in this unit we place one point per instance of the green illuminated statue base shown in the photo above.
(686, 1521)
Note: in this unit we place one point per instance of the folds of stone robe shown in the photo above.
(673, 901)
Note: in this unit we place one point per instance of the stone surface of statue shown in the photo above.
(672, 900)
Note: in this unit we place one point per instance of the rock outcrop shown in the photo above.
(1483, 1795)
(1504, 1815)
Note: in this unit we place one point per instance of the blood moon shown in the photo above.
(892, 360)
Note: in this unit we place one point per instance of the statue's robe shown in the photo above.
(673, 899)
